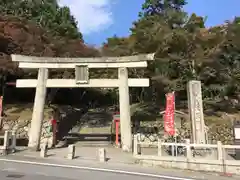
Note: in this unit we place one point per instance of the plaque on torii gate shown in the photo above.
(81, 74)
(82, 66)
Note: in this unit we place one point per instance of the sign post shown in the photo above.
(54, 132)
(116, 119)
(195, 107)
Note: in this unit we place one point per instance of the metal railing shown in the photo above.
(209, 157)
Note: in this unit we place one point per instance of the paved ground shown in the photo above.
(14, 171)
(84, 153)
(35, 172)
(90, 153)
(28, 166)
(24, 169)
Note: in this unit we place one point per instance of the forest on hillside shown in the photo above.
(185, 49)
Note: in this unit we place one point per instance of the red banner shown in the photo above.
(169, 114)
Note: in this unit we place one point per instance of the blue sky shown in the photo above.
(100, 19)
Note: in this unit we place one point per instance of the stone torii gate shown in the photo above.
(81, 66)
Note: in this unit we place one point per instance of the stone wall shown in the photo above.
(19, 120)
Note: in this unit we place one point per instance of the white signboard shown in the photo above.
(237, 133)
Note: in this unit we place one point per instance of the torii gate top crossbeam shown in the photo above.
(33, 59)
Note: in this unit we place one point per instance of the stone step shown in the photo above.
(91, 137)
(93, 143)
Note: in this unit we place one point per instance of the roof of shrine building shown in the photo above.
(122, 59)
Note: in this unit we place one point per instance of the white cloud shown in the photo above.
(92, 15)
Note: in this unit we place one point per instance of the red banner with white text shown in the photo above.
(169, 114)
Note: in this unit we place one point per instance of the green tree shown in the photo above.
(117, 46)
(185, 50)
(226, 65)
(170, 11)
(153, 7)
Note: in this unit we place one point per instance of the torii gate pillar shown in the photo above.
(38, 110)
(125, 116)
